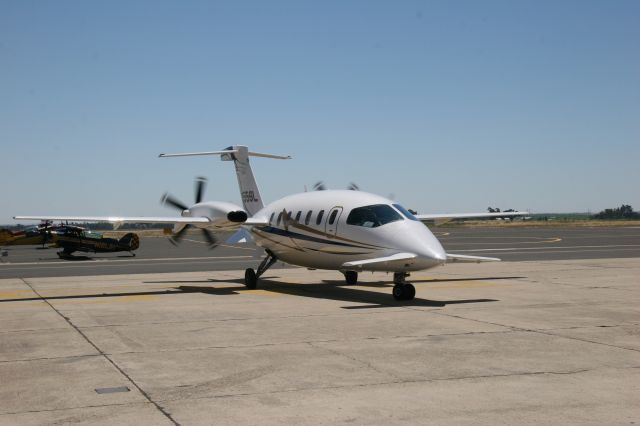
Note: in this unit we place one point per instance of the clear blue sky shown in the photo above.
(448, 105)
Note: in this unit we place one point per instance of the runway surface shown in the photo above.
(158, 255)
(526, 343)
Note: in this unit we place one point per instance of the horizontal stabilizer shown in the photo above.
(454, 258)
(378, 263)
(225, 154)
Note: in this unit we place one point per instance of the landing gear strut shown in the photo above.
(351, 277)
(251, 276)
(402, 290)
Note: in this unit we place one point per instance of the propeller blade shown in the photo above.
(319, 186)
(175, 240)
(353, 187)
(168, 199)
(209, 237)
(201, 184)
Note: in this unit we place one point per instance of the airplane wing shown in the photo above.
(121, 219)
(454, 258)
(446, 217)
(256, 221)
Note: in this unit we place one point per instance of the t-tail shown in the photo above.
(239, 154)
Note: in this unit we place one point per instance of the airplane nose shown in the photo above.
(427, 247)
(434, 254)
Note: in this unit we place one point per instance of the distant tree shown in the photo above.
(625, 211)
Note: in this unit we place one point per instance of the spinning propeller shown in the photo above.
(320, 186)
(169, 200)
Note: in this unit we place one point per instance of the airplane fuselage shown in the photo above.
(325, 229)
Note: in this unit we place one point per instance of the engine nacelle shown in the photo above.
(220, 213)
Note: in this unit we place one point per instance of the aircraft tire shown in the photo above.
(398, 292)
(409, 292)
(404, 291)
(250, 278)
(351, 277)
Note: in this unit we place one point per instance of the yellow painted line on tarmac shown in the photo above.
(15, 294)
(262, 293)
(101, 299)
(468, 284)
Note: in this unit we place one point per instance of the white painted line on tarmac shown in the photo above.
(543, 248)
(105, 261)
(76, 266)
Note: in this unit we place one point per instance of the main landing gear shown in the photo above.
(251, 276)
(351, 277)
(402, 290)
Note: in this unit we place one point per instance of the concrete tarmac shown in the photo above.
(537, 342)
(158, 255)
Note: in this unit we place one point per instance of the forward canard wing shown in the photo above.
(379, 263)
(455, 258)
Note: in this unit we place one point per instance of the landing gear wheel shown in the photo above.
(398, 292)
(250, 279)
(409, 292)
(351, 277)
(404, 291)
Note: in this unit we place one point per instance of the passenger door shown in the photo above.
(331, 223)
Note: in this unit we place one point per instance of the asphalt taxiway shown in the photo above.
(158, 255)
(532, 341)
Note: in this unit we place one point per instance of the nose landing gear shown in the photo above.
(402, 290)
(251, 276)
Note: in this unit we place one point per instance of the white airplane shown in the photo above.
(344, 230)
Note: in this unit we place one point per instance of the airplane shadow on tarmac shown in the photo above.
(331, 290)
(334, 290)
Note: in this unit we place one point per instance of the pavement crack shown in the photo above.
(545, 332)
(393, 382)
(51, 410)
(354, 359)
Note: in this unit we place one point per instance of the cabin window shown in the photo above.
(271, 218)
(332, 218)
(319, 218)
(373, 216)
(279, 218)
(405, 212)
(307, 219)
(298, 216)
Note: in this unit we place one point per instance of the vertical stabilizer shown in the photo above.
(239, 154)
(249, 192)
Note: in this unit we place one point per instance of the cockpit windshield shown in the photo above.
(405, 212)
(373, 216)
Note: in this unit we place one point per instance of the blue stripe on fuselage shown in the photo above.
(295, 235)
